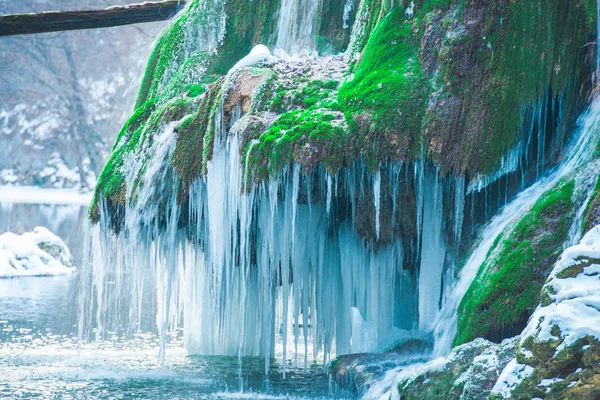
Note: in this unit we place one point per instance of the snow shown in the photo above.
(575, 309)
(550, 382)
(8, 175)
(260, 53)
(37, 253)
(513, 374)
(36, 195)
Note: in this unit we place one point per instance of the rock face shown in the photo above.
(559, 351)
(433, 80)
(37, 253)
(357, 372)
(468, 372)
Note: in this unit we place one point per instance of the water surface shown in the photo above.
(40, 357)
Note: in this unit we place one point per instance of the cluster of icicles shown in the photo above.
(265, 270)
(258, 266)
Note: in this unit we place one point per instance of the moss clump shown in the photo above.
(518, 56)
(190, 156)
(457, 80)
(133, 142)
(306, 136)
(310, 129)
(168, 50)
(388, 95)
(180, 51)
(508, 286)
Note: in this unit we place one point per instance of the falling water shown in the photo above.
(377, 201)
(580, 152)
(297, 26)
(597, 80)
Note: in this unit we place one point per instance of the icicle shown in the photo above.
(377, 200)
(433, 253)
(329, 193)
(419, 182)
(459, 208)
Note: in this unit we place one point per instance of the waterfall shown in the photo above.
(271, 270)
(301, 267)
(580, 152)
(298, 26)
(305, 265)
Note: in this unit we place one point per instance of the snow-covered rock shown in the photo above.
(259, 54)
(36, 253)
(468, 372)
(559, 352)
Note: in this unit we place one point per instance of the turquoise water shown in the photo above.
(40, 357)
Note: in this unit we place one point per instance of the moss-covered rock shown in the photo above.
(450, 80)
(508, 285)
(386, 100)
(468, 372)
(446, 80)
(560, 349)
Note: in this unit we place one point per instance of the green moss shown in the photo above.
(168, 49)
(134, 139)
(111, 181)
(309, 130)
(388, 95)
(190, 154)
(508, 286)
(591, 217)
(194, 90)
(248, 23)
(172, 64)
(192, 75)
(525, 50)
(478, 77)
(287, 138)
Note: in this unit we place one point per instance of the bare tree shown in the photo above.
(80, 77)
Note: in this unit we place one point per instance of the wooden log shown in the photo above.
(55, 21)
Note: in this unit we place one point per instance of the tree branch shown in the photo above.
(20, 24)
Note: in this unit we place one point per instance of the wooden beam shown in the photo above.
(55, 21)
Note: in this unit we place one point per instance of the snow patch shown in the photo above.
(575, 309)
(259, 54)
(573, 314)
(37, 253)
(511, 377)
